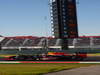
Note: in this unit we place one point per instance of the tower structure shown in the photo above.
(64, 20)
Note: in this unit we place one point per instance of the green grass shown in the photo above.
(94, 54)
(2, 55)
(35, 69)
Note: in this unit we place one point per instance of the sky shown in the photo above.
(32, 17)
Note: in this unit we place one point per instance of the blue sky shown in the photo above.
(88, 12)
(27, 17)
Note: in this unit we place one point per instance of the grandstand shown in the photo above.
(33, 42)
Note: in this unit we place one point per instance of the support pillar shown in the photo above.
(64, 44)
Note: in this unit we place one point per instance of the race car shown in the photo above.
(20, 58)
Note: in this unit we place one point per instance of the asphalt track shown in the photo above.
(92, 70)
(92, 59)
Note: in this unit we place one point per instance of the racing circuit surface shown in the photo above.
(92, 59)
(92, 70)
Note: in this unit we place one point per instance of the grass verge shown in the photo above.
(94, 54)
(35, 69)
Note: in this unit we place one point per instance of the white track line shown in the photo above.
(9, 62)
(93, 62)
(15, 62)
